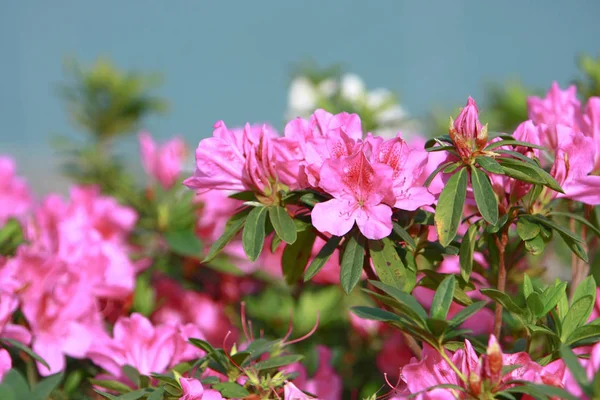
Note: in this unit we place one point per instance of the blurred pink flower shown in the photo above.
(162, 163)
(146, 347)
(5, 363)
(15, 196)
(326, 384)
(394, 355)
(291, 392)
(193, 390)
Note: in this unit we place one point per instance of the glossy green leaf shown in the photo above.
(450, 207)
(375, 314)
(536, 245)
(577, 218)
(587, 287)
(527, 229)
(535, 305)
(578, 314)
(322, 257)
(527, 172)
(504, 300)
(233, 226)
(442, 300)
(157, 394)
(402, 297)
(389, 266)
(486, 200)
(276, 362)
(490, 165)
(283, 224)
(352, 262)
(253, 236)
(553, 296)
(467, 250)
(583, 333)
(465, 313)
(404, 235)
(527, 286)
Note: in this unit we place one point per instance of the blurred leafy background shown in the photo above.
(234, 61)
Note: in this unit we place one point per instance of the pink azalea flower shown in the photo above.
(5, 363)
(394, 355)
(291, 392)
(359, 192)
(193, 390)
(408, 164)
(466, 131)
(148, 348)
(162, 163)
(15, 196)
(557, 108)
(434, 160)
(591, 127)
(250, 159)
(591, 365)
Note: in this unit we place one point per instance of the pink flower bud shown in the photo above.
(493, 361)
(467, 123)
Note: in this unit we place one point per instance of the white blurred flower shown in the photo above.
(302, 97)
(378, 97)
(353, 88)
(327, 88)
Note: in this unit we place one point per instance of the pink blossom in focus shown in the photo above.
(15, 196)
(359, 192)
(162, 163)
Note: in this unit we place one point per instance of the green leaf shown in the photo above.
(184, 243)
(553, 296)
(490, 165)
(442, 300)
(253, 236)
(157, 394)
(452, 167)
(132, 373)
(143, 295)
(486, 200)
(536, 245)
(576, 369)
(404, 235)
(295, 256)
(26, 350)
(322, 257)
(352, 262)
(553, 391)
(583, 333)
(43, 389)
(403, 298)
(578, 314)
(439, 169)
(277, 362)
(527, 229)
(535, 305)
(526, 172)
(231, 390)
(504, 300)
(135, 395)
(467, 250)
(579, 219)
(283, 224)
(111, 385)
(233, 226)
(571, 239)
(17, 383)
(587, 287)
(450, 207)
(375, 314)
(465, 313)
(106, 395)
(389, 266)
(509, 142)
(527, 286)
(247, 195)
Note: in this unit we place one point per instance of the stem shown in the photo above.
(451, 364)
(580, 269)
(501, 243)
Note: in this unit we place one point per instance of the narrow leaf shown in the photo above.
(575, 367)
(583, 333)
(486, 200)
(504, 300)
(352, 262)
(535, 305)
(375, 314)
(578, 218)
(402, 297)
(277, 362)
(389, 266)
(450, 207)
(503, 143)
(578, 314)
(233, 226)
(465, 313)
(322, 257)
(26, 350)
(527, 286)
(439, 169)
(295, 256)
(253, 236)
(401, 232)
(467, 250)
(490, 165)
(442, 300)
(283, 224)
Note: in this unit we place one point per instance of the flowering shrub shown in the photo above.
(322, 263)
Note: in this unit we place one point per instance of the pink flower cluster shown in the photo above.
(15, 197)
(366, 179)
(162, 163)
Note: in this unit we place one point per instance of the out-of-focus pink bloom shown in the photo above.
(596, 311)
(192, 389)
(162, 163)
(434, 160)
(5, 363)
(250, 159)
(15, 196)
(466, 131)
(181, 306)
(591, 127)
(216, 209)
(360, 191)
(326, 384)
(148, 348)
(407, 164)
(364, 327)
(559, 107)
(591, 365)
(573, 162)
(394, 355)
(8, 305)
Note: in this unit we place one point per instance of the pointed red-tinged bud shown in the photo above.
(475, 384)
(482, 137)
(493, 362)
(467, 123)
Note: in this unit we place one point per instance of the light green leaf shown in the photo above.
(467, 250)
(442, 300)
(375, 314)
(490, 165)
(527, 229)
(535, 305)
(578, 314)
(276, 362)
(527, 286)
(389, 266)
